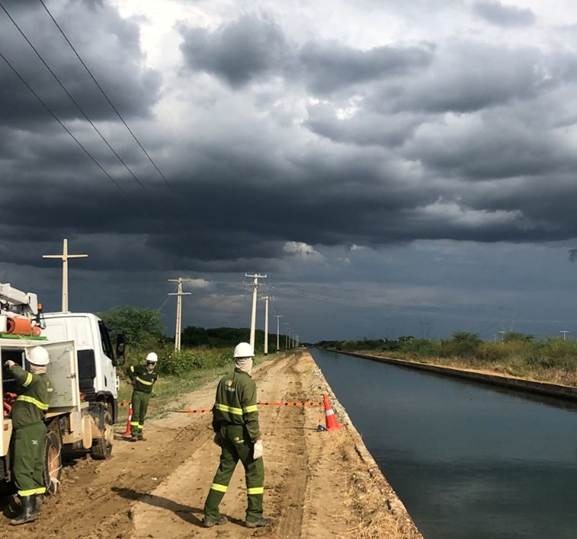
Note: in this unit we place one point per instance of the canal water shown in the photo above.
(468, 461)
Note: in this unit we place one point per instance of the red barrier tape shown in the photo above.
(296, 404)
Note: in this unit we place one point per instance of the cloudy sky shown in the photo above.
(394, 167)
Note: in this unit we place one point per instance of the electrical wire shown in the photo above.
(71, 97)
(64, 126)
(103, 92)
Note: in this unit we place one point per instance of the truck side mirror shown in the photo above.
(120, 348)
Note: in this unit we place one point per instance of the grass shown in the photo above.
(547, 360)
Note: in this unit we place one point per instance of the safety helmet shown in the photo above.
(151, 357)
(38, 356)
(243, 349)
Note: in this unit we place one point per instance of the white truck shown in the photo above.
(82, 372)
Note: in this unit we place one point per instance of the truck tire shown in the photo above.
(102, 447)
(52, 459)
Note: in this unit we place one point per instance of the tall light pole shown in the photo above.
(255, 277)
(64, 256)
(266, 298)
(178, 326)
(278, 317)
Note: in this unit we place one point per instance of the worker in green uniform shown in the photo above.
(237, 432)
(142, 378)
(29, 431)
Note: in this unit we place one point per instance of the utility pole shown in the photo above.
(64, 256)
(179, 293)
(255, 277)
(286, 337)
(266, 298)
(564, 334)
(502, 334)
(278, 317)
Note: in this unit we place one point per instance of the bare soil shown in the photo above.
(318, 484)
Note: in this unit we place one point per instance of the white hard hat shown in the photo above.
(243, 349)
(152, 357)
(38, 356)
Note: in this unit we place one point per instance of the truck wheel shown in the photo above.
(102, 447)
(52, 459)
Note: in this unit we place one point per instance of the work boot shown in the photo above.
(210, 522)
(28, 512)
(258, 523)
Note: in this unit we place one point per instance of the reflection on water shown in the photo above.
(468, 462)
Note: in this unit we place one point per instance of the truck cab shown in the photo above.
(97, 358)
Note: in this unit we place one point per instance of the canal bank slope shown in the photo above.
(547, 389)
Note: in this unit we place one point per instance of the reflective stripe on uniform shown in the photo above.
(32, 491)
(226, 408)
(28, 380)
(144, 381)
(255, 490)
(218, 488)
(32, 400)
(250, 408)
(134, 424)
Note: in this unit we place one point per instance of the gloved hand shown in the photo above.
(9, 363)
(257, 450)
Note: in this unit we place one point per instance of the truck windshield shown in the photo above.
(105, 338)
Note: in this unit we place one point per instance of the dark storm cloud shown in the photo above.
(239, 52)
(109, 45)
(363, 127)
(501, 14)
(468, 76)
(252, 48)
(329, 66)
(386, 155)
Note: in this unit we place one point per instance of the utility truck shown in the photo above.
(82, 373)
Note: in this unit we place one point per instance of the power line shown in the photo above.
(71, 97)
(103, 92)
(53, 114)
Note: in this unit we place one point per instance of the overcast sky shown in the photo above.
(394, 167)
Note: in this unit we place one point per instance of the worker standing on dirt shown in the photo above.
(30, 431)
(237, 432)
(142, 378)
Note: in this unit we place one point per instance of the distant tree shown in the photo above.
(141, 326)
(511, 336)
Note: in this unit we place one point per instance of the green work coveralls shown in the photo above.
(235, 422)
(29, 431)
(143, 382)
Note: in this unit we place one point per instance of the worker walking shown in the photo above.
(236, 426)
(30, 431)
(142, 378)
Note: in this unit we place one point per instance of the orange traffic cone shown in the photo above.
(128, 430)
(330, 418)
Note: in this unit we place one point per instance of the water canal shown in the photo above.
(468, 461)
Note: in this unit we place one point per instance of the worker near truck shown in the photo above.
(237, 432)
(142, 378)
(30, 431)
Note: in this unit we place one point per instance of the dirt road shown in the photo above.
(318, 484)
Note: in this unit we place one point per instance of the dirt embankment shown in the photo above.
(318, 484)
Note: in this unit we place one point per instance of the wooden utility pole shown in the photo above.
(179, 293)
(64, 256)
(255, 277)
(278, 317)
(266, 298)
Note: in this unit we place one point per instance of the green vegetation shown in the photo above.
(551, 360)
